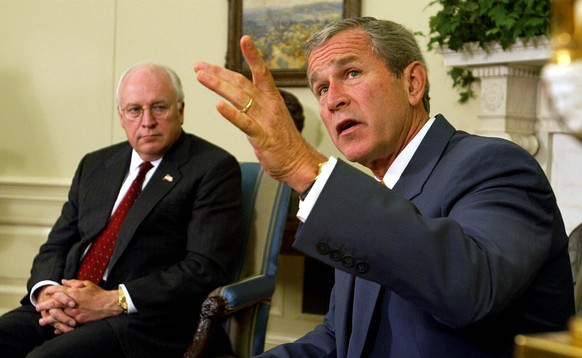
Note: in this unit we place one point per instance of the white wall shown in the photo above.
(60, 59)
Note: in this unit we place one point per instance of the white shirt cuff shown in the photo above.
(306, 205)
(40, 284)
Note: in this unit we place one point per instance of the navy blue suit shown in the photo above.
(466, 251)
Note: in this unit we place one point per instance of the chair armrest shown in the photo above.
(238, 295)
(226, 300)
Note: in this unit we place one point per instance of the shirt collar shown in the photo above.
(136, 162)
(397, 167)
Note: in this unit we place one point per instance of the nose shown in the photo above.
(336, 97)
(147, 119)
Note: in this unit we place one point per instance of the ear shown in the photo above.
(121, 121)
(416, 77)
(181, 112)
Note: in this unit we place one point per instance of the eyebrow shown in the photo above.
(337, 63)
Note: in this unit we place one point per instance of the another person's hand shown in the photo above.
(259, 111)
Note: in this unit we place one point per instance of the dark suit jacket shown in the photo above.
(466, 251)
(176, 244)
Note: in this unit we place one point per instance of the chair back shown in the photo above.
(265, 206)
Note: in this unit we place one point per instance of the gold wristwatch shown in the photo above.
(122, 302)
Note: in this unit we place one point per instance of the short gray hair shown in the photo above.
(392, 42)
(174, 79)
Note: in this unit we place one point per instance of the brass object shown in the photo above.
(566, 37)
(565, 344)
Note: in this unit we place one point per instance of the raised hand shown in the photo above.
(258, 110)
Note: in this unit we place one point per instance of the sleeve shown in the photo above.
(465, 247)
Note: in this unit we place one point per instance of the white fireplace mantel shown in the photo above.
(509, 87)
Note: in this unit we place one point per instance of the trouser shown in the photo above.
(22, 336)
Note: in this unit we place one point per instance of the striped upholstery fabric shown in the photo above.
(247, 300)
(266, 203)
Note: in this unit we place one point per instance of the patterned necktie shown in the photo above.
(96, 260)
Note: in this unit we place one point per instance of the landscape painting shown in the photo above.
(279, 29)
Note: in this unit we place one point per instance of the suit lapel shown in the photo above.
(104, 190)
(166, 177)
(425, 158)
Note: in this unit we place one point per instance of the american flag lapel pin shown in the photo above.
(168, 178)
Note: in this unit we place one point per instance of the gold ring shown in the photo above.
(247, 107)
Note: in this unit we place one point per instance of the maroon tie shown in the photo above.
(96, 260)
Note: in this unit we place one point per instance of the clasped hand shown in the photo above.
(75, 302)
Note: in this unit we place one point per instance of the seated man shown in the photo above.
(131, 285)
(454, 247)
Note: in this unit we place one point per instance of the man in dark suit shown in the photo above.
(454, 247)
(175, 245)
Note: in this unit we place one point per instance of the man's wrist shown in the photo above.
(303, 195)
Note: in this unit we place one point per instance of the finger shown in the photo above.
(262, 77)
(232, 86)
(46, 319)
(208, 78)
(61, 328)
(74, 283)
(57, 300)
(59, 316)
(243, 122)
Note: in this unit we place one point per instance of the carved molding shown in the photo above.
(535, 52)
(26, 203)
(510, 82)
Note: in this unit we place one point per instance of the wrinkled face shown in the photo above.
(150, 90)
(363, 105)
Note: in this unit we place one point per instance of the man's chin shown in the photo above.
(150, 151)
(353, 155)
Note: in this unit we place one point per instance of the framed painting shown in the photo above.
(279, 29)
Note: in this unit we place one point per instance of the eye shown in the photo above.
(159, 108)
(353, 73)
(322, 90)
(133, 111)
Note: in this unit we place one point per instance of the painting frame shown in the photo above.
(295, 77)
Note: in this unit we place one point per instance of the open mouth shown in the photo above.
(345, 125)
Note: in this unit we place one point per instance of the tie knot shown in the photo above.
(145, 167)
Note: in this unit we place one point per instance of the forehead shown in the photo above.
(146, 83)
(352, 43)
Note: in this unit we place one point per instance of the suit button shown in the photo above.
(335, 254)
(348, 261)
(322, 248)
(362, 267)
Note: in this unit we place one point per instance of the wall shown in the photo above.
(58, 66)
(61, 58)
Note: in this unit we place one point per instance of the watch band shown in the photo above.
(122, 301)
(303, 195)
